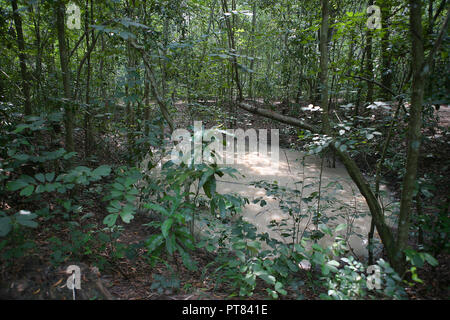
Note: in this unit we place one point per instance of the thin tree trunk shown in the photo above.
(420, 71)
(323, 46)
(38, 70)
(386, 72)
(232, 48)
(87, 115)
(414, 129)
(369, 67)
(252, 51)
(22, 58)
(63, 56)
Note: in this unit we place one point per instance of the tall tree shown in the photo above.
(386, 48)
(420, 70)
(324, 66)
(22, 57)
(64, 60)
(232, 44)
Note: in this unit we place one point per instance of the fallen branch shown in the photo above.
(278, 117)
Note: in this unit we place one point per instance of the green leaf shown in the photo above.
(156, 207)
(240, 255)
(40, 177)
(118, 186)
(187, 260)
(21, 127)
(102, 171)
(266, 277)
(279, 288)
(21, 157)
(154, 242)
(325, 229)
(28, 223)
(25, 218)
(110, 219)
(340, 227)
(16, 185)
(343, 147)
(210, 187)
(27, 191)
(171, 244)
(69, 155)
(166, 227)
(116, 204)
(430, 259)
(222, 207)
(127, 215)
(50, 176)
(333, 263)
(208, 173)
(5, 226)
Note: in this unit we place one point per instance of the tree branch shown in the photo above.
(437, 44)
(153, 84)
(374, 82)
(278, 117)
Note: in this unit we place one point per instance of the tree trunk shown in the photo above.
(252, 63)
(369, 67)
(324, 66)
(386, 72)
(63, 56)
(414, 130)
(232, 48)
(22, 58)
(87, 115)
(38, 58)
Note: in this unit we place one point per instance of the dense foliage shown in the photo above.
(89, 98)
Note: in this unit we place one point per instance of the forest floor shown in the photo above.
(35, 277)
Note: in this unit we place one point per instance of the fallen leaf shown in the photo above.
(59, 281)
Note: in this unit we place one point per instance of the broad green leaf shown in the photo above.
(325, 229)
(27, 191)
(171, 244)
(28, 223)
(240, 255)
(21, 157)
(166, 227)
(126, 216)
(279, 288)
(118, 186)
(154, 242)
(21, 127)
(266, 277)
(16, 185)
(5, 226)
(187, 260)
(156, 207)
(210, 187)
(430, 259)
(340, 227)
(205, 177)
(69, 155)
(40, 177)
(102, 171)
(50, 176)
(110, 219)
